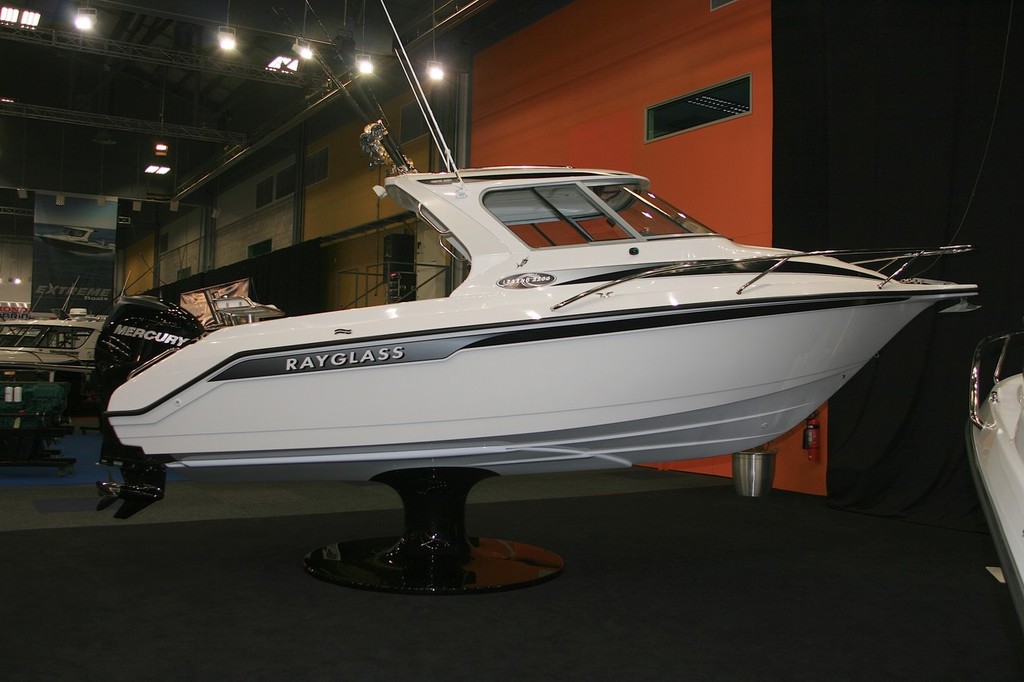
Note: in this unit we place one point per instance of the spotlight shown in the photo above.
(85, 19)
(435, 71)
(302, 48)
(226, 38)
(364, 64)
(60, 199)
(30, 19)
(160, 149)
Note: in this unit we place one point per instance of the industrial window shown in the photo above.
(698, 109)
(259, 248)
(316, 166)
(285, 183)
(264, 191)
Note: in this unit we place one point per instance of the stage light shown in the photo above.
(302, 48)
(85, 19)
(226, 38)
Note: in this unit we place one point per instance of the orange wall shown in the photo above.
(572, 90)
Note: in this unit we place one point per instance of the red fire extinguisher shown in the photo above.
(812, 438)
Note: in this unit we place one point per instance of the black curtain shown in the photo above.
(896, 123)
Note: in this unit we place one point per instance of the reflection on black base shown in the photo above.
(433, 556)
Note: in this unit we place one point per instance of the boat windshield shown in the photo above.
(573, 214)
(38, 336)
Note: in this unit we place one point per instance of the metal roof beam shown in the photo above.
(134, 125)
(188, 61)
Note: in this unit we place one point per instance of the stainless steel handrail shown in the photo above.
(980, 351)
(890, 255)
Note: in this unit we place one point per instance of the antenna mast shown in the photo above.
(421, 98)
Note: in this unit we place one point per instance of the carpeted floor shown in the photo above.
(692, 583)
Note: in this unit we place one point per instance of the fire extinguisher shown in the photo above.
(812, 438)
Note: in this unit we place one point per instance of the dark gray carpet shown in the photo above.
(695, 584)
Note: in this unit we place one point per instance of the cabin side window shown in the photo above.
(555, 215)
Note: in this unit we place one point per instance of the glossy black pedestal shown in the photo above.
(433, 556)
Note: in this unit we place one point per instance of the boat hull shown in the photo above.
(595, 392)
(996, 452)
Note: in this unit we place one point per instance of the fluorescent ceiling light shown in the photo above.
(283, 63)
(154, 169)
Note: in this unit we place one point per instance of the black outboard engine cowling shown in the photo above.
(137, 330)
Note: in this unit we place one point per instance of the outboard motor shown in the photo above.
(138, 330)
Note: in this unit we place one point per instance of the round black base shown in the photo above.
(491, 566)
(434, 555)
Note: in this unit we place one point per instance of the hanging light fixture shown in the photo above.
(226, 34)
(302, 48)
(85, 19)
(435, 71)
(226, 38)
(364, 64)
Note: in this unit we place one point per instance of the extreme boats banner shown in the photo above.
(73, 254)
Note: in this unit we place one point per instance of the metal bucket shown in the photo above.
(753, 472)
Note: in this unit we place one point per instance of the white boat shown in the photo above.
(995, 443)
(598, 327)
(78, 240)
(52, 349)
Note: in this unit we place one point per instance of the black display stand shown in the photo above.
(433, 555)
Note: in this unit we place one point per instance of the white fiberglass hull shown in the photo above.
(996, 448)
(583, 392)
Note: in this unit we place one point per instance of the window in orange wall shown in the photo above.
(698, 109)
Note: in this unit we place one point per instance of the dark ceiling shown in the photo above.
(80, 112)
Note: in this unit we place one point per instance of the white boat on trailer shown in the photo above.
(995, 444)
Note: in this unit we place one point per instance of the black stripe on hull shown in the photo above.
(439, 344)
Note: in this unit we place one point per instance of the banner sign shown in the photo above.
(73, 254)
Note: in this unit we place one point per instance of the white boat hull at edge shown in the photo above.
(996, 450)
